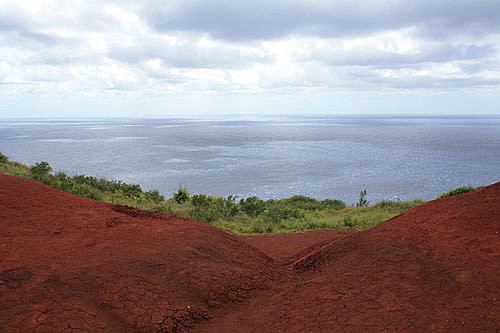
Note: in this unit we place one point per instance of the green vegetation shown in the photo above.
(3, 159)
(248, 215)
(182, 195)
(362, 199)
(457, 191)
(39, 170)
(85, 186)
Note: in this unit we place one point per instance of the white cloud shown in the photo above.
(91, 48)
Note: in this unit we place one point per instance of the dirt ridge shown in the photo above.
(72, 263)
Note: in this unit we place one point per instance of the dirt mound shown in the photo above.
(435, 268)
(73, 263)
(68, 263)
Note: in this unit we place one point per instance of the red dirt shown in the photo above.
(73, 263)
(68, 263)
(284, 247)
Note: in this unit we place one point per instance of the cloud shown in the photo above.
(242, 20)
(263, 20)
(445, 19)
(185, 51)
(94, 49)
(435, 53)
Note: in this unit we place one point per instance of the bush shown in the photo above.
(201, 200)
(3, 158)
(348, 221)
(40, 169)
(252, 206)
(226, 207)
(211, 208)
(301, 202)
(154, 196)
(257, 228)
(203, 214)
(182, 195)
(275, 214)
(134, 190)
(333, 204)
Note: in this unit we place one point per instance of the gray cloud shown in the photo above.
(442, 19)
(437, 54)
(242, 20)
(28, 36)
(5, 25)
(235, 20)
(260, 19)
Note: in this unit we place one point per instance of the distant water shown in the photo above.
(322, 157)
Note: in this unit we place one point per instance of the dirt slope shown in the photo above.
(68, 262)
(284, 247)
(435, 268)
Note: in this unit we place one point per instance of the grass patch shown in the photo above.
(457, 191)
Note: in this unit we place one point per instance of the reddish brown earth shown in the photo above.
(73, 264)
(283, 247)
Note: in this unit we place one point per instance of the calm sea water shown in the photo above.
(322, 157)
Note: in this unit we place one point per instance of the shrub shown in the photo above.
(301, 202)
(227, 207)
(257, 228)
(154, 196)
(203, 214)
(3, 158)
(333, 204)
(348, 221)
(252, 206)
(182, 195)
(201, 200)
(275, 214)
(40, 169)
(211, 208)
(134, 190)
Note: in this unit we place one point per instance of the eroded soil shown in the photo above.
(73, 264)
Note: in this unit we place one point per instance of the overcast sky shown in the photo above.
(161, 58)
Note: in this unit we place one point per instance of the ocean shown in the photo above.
(394, 158)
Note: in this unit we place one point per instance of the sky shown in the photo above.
(192, 58)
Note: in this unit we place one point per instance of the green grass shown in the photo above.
(249, 215)
(457, 191)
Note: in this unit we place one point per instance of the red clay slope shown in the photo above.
(435, 268)
(68, 262)
(73, 263)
